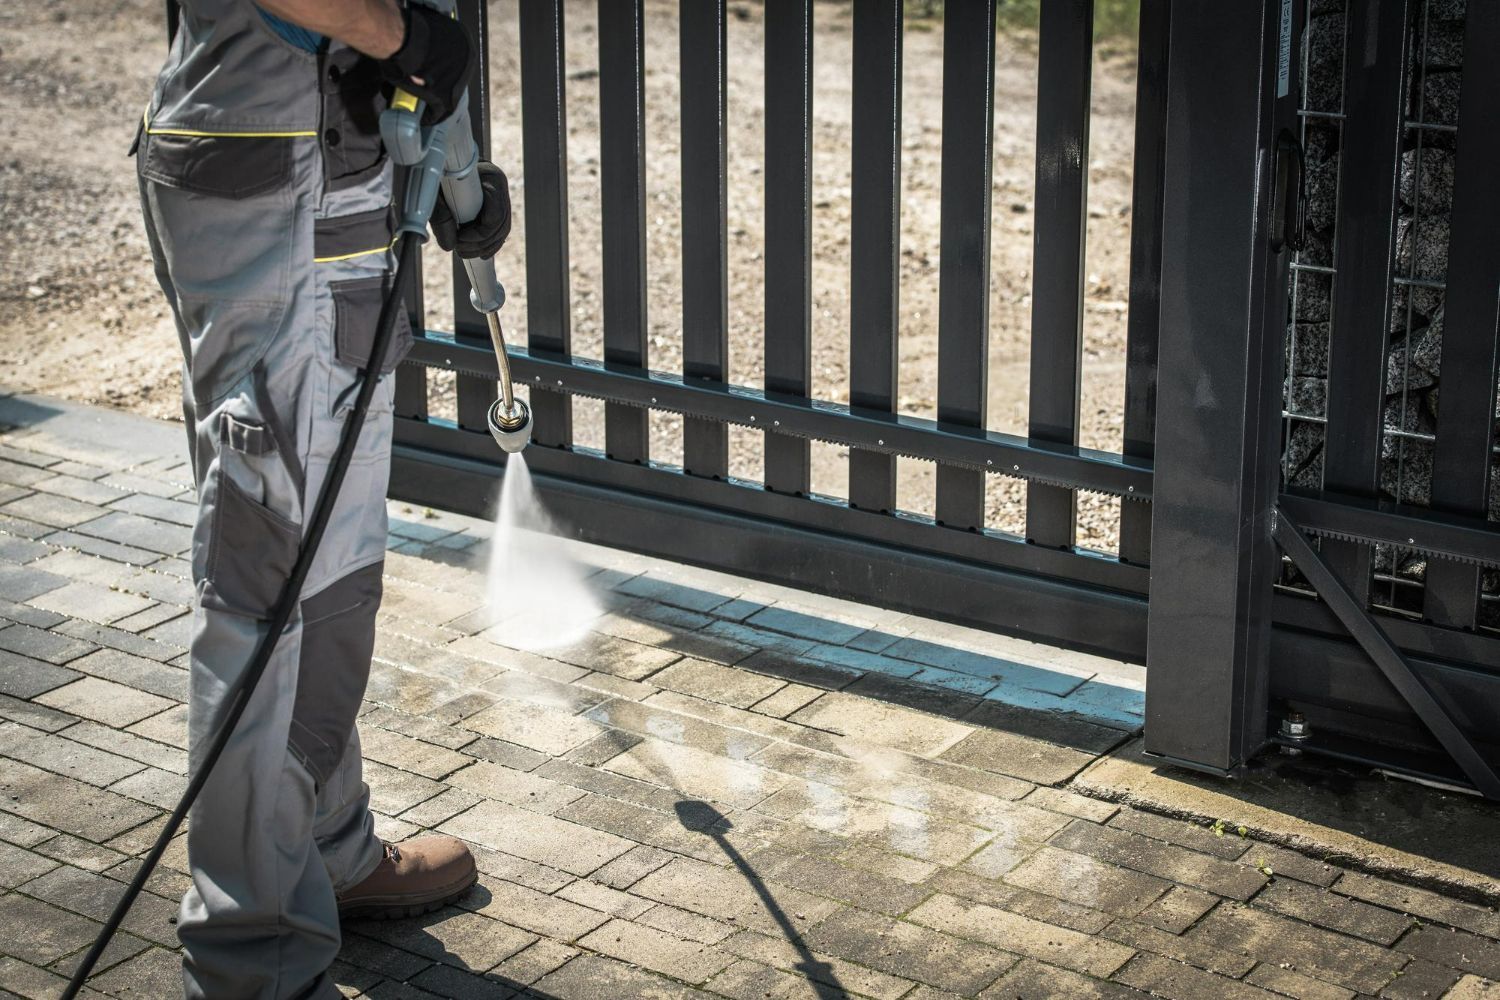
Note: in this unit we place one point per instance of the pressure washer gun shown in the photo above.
(444, 156)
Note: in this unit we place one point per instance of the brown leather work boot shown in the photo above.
(413, 878)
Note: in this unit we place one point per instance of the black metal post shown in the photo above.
(1223, 315)
(1471, 327)
(788, 347)
(1145, 263)
(544, 135)
(964, 288)
(622, 155)
(1375, 68)
(875, 238)
(1064, 74)
(474, 395)
(705, 225)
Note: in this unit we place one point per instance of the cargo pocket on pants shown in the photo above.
(357, 305)
(251, 548)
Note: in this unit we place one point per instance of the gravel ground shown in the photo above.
(81, 317)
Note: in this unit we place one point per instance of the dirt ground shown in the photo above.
(81, 316)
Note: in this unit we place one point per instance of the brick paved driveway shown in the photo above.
(726, 790)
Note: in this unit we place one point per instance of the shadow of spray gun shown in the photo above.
(700, 817)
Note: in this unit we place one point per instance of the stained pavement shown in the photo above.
(726, 789)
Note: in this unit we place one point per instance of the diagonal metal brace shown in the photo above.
(1378, 646)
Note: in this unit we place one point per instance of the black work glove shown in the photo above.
(486, 233)
(438, 50)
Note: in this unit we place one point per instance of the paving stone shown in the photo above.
(1088, 882)
(32, 983)
(828, 878)
(394, 791)
(818, 967)
(1164, 977)
(787, 699)
(129, 745)
(620, 657)
(1167, 861)
(23, 584)
(1036, 905)
(135, 672)
(594, 977)
(1319, 906)
(1468, 953)
(63, 756)
(518, 870)
(456, 984)
(543, 839)
(597, 896)
(122, 640)
(153, 616)
(1474, 988)
(1021, 935)
(379, 957)
(1421, 979)
(91, 895)
(104, 701)
(158, 508)
(875, 722)
(418, 727)
(792, 666)
(697, 774)
(729, 895)
(1179, 909)
(42, 645)
(139, 532)
(66, 805)
(83, 490)
(530, 792)
(1292, 865)
(129, 482)
(21, 528)
(128, 555)
(76, 567)
(23, 677)
(160, 788)
(692, 926)
(1033, 980)
(91, 602)
(451, 936)
(676, 727)
(177, 632)
(52, 510)
(506, 754)
(532, 726)
(626, 870)
(805, 625)
(440, 807)
(149, 976)
(410, 754)
(910, 951)
(1022, 757)
(685, 960)
(1226, 843)
(1423, 903)
(747, 980)
(1295, 984)
(527, 966)
(18, 866)
(1071, 804)
(1200, 952)
(38, 933)
(602, 748)
(25, 614)
(81, 853)
(717, 683)
(170, 727)
(922, 693)
(1357, 965)
(36, 716)
(21, 832)
(20, 550)
(24, 472)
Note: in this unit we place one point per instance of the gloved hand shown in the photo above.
(438, 52)
(485, 234)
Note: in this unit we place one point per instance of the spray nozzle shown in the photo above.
(510, 428)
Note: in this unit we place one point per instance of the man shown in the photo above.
(267, 194)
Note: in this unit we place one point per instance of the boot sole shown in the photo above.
(401, 907)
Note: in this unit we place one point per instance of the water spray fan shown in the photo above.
(443, 156)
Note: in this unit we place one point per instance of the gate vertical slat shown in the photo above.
(705, 267)
(622, 154)
(1142, 328)
(1064, 76)
(544, 134)
(875, 238)
(964, 270)
(1471, 325)
(474, 394)
(1370, 154)
(788, 173)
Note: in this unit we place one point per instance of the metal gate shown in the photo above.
(1237, 640)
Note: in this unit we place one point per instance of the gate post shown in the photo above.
(1232, 83)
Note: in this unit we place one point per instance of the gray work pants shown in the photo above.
(275, 278)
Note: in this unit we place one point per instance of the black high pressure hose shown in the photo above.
(286, 605)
